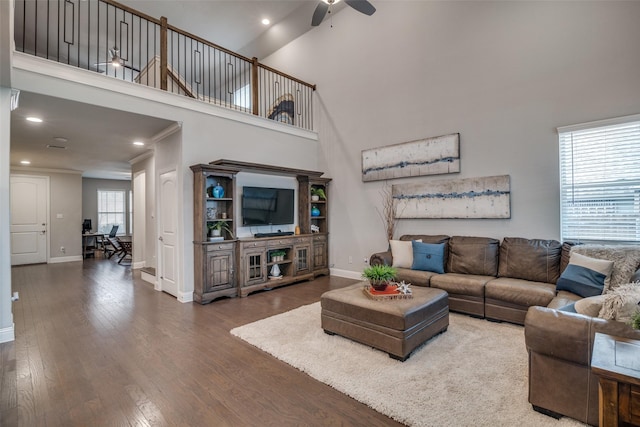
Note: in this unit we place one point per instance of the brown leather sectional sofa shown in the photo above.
(487, 278)
(514, 280)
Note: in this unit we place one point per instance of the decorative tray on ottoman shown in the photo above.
(391, 292)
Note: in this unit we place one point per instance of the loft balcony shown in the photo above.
(117, 41)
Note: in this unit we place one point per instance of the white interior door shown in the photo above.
(168, 221)
(29, 206)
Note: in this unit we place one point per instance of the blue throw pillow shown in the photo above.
(585, 276)
(428, 257)
(581, 281)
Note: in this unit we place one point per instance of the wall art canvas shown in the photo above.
(485, 197)
(430, 156)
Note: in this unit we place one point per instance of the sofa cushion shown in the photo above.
(562, 299)
(585, 276)
(566, 254)
(415, 277)
(590, 306)
(473, 255)
(621, 303)
(520, 292)
(530, 259)
(402, 252)
(461, 284)
(428, 256)
(626, 259)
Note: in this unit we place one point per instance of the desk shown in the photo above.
(617, 362)
(87, 249)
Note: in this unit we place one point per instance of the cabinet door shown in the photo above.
(320, 258)
(302, 260)
(219, 273)
(254, 267)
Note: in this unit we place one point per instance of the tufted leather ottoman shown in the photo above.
(393, 326)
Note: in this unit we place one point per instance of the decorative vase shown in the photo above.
(275, 271)
(315, 197)
(315, 211)
(218, 191)
(215, 233)
(379, 285)
(210, 191)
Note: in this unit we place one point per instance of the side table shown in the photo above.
(616, 361)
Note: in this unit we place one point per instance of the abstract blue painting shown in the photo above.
(430, 156)
(485, 197)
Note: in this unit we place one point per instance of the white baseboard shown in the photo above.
(8, 334)
(185, 296)
(148, 277)
(138, 265)
(60, 259)
(348, 274)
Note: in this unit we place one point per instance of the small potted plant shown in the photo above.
(379, 276)
(216, 228)
(317, 193)
(635, 319)
(278, 255)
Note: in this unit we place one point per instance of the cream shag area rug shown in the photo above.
(474, 374)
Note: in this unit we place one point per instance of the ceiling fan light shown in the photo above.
(116, 61)
(330, 2)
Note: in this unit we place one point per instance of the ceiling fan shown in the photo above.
(116, 62)
(362, 6)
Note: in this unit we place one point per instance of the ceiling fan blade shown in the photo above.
(362, 6)
(319, 13)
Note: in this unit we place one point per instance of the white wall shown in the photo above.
(146, 166)
(502, 74)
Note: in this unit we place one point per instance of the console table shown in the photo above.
(616, 361)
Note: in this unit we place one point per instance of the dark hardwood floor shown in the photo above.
(97, 346)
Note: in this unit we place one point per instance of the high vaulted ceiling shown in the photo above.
(99, 140)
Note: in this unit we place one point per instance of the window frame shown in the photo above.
(121, 230)
(621, 202)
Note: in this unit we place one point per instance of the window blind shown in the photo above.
(111, 211)
(600, 182)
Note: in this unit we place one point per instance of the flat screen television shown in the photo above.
(267, 206)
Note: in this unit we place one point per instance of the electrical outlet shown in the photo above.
(366, 260)
(350, 260)
(62, 249)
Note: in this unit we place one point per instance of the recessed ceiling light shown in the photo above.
(25, 162)
(265, 21)
(34, 119)
(138, 143)
(60, 139)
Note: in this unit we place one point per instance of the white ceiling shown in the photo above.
(99, 140)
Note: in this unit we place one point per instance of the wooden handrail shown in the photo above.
(208, 43)
(273, 70)
(132, 11)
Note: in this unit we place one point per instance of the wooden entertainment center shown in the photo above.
(231, 266)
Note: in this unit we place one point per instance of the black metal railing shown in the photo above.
(115, 40)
